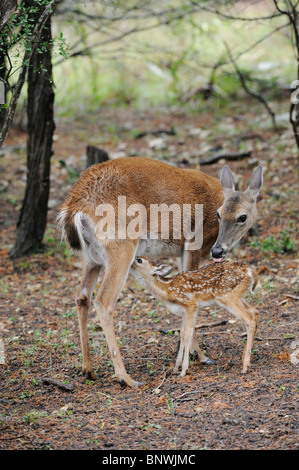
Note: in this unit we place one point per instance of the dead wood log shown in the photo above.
(141, 134)
(227, 155)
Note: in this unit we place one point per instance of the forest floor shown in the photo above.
(45, 404)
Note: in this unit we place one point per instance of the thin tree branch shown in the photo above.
(239, 18)
(250, 92)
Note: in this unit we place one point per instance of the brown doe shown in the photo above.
(144, 183)
(223, 283)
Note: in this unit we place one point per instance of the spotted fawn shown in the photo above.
(223, 283)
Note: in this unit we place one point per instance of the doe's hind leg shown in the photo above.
(83, 301)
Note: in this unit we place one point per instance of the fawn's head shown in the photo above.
(147, 268)
(238, 211)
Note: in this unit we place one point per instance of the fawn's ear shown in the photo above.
(163, 270)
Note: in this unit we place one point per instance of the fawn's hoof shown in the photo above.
(194, 355)
(208, 361)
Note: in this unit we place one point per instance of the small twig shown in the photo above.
(109, 397)
(200, 325)
(274, 338)
(5, 301)
(146, 345)
(208, 325)
(249, 136)
(292, 296)
(12, 437)
(57, 383)
(282, 302)
(157, 389)
(286, 300)
(287, 324)
(186, 393)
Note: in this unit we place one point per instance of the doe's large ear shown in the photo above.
(227, 178)
(163, 270)
(256, 181)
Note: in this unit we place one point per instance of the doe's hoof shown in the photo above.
(89, 375)
(131, 383)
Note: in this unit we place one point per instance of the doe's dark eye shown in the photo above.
(139, 260)
(242, 218)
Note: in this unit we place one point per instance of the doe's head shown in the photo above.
(238, 211)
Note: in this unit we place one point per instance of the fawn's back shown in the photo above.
(212, 282)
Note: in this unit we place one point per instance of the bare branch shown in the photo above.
(250, 92)
(283, 12)
(239, 18)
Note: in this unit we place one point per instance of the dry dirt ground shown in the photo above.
(44, 404)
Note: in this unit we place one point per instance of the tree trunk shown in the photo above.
(33, 218)
(7, 8)
(3, 88)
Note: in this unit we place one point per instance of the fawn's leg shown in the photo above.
(83, 301)
(254, 313)
(179, 358)
(188, 332)
(191, 260)
(186, 335)
(250, 316)
(197, 353)
(120, 255)
(251, 332)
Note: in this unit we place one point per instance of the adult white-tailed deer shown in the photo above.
(145, 183)
(223, 283)
(237, 213)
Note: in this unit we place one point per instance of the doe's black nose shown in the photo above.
(217, 252)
